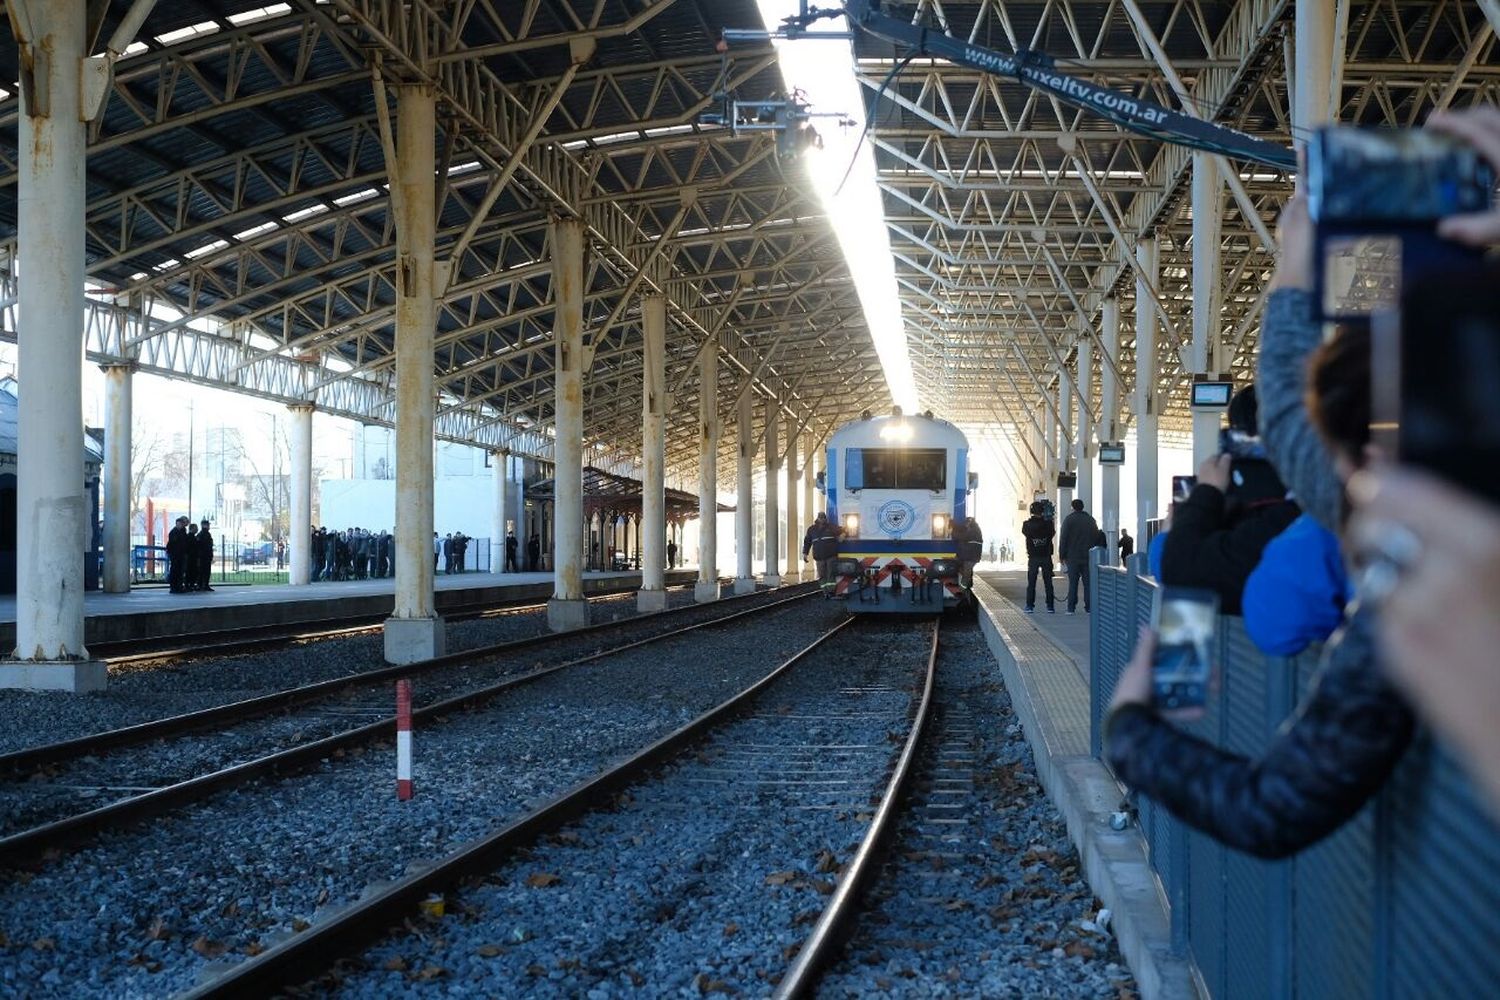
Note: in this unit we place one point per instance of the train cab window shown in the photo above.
(896, 469)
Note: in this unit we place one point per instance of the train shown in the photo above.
(897, 485)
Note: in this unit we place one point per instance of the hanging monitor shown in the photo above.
(1212, 394)
(1112, 454)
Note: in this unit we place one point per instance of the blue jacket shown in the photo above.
(1296, 595)
(1154, 552)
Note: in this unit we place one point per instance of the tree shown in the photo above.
(147, 451)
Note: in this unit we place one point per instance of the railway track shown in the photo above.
(813, 755)
(66, 794)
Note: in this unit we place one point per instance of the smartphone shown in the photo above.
(1182, 486)
(1185, 619)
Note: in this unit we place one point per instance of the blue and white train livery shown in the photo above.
(897, 485)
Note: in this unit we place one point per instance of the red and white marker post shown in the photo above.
(403, 740)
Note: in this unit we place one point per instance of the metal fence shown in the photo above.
(1404, 901)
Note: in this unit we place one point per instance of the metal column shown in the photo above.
(414, 631)
(299, 544)
(1146, 474)
(708, 478)
(773, 496)
(793, 529)
(117, 443)
(653, 594)
(1109, 423)
(51, 514)
(1083, 438)
(1064, 407)
(1208, 211)
(501, 513)
(568, 609)
(809, 484)
(1316, 67)
(744, 499)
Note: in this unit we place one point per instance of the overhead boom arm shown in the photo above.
(1036, 70)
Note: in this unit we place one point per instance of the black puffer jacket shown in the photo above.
(1352, 727)
(1208, 548)
(1324, 764)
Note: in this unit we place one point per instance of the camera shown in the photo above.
(1375, 197)
(1252, 478)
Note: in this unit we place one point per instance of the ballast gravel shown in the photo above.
(143, 913)
(705, 878)
(994, 905)
(141, 695)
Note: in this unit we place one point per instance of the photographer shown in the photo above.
(1351, 728)
(1216, 540)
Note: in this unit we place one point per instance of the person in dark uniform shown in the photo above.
(205, 556)
(511, 545)
(177, 556)
(968, 542)
(1039, 532)
(534, 552)
(1127, 546)
(190, 559)
(671, 555)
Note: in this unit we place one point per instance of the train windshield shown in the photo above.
(897, 469)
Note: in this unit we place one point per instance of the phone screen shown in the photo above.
(1182, 669)
(1182, 486)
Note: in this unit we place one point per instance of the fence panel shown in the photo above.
(1404, 901)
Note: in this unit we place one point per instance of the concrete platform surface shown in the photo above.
(150, 612)
(1045, 663)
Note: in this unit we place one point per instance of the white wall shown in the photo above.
(459, 504)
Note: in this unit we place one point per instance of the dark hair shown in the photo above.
(1078, 505)
(1244, 410)
(1338, 390)
(1037, 507)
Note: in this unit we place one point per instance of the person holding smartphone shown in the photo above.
(1352, 727)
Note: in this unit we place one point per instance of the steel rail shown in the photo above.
(311, 951)
(27, 846)
(826, 938)
(17, 762)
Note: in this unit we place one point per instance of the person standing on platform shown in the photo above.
(1039, 532)
(177, 556)
(447, 547)
(205, 556)
(1079, 534)
(968, 544)
(437, 547)
(1127, 546)
(460, 551)
(190, 559)
(511, 545)
(534, 552)
(671, 555)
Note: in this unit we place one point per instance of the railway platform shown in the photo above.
(154, 612)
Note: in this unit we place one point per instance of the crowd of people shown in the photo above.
(352, 554)
(1388, 566)
(190, 556)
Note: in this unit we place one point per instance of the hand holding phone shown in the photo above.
(1182, 665)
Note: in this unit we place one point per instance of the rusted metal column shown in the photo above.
(117, 420)
(1146, 504)
(653, 527)
(773, 496)
(414, 631)
(744, 499)
(707, 588)
(793, 572)
(568, 609)
(1109, 422)
(52, 531)
(299, 545)
(500, 462)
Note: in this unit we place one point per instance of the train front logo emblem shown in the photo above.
(896, 517)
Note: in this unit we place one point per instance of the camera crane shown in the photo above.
(1036, 70)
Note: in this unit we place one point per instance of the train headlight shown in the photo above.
(939, 526)
(846, 567)
(851, 525)
(944, 568)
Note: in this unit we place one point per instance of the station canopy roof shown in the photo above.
(239, 233)
(617, 494)
(239, 229)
